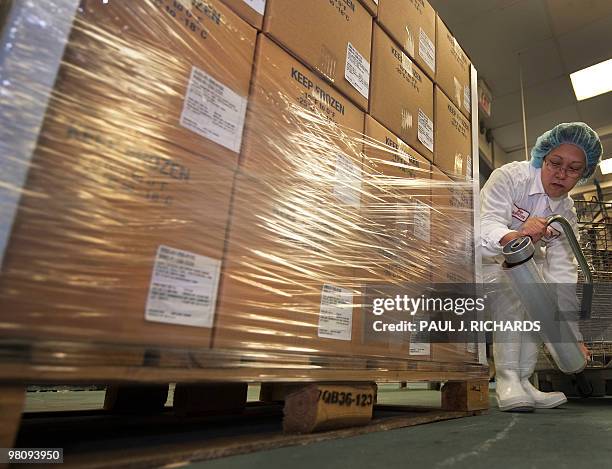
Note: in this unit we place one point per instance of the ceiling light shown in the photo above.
(593, 80)
(606, 166)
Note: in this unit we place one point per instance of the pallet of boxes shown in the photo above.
(210, 193)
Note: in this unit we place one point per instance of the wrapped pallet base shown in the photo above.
(190, 200)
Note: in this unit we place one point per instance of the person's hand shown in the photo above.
(535, 228)
(585, 351)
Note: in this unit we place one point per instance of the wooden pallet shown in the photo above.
(255, 427)
(333, 400)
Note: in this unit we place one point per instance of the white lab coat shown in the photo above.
(514, 193)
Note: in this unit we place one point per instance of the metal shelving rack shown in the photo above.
(595, 231)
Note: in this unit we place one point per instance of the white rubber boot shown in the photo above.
(511, 396)
(529, 357)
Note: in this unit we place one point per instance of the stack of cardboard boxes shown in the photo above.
(148, 196)
(120, 229)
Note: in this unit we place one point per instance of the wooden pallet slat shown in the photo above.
(208, 398)
(465, 395)
(130, 399)
(319, 407)
(12, 400)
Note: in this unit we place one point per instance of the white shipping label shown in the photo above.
(336, 313)
(357, 71)
(467, 98)
(258, 5)
(183, 288)
(422, 221)
(426, 131)
(348, 181)
(419, 346)
(471, 347)
(409, 42)
(407, 64)
(427, 49)
(213, 110)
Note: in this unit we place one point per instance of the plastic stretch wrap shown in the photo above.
(167, 185)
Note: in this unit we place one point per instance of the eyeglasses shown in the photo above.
(557, 167)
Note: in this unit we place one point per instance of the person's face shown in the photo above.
(562, 169)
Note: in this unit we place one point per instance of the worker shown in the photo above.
(515, 202)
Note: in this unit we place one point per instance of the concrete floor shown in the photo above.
(577, 435)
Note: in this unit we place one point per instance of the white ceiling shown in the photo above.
(550, 39)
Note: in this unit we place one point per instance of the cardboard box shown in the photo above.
(455, 352)
(396, 203)
(289, 281)
(334, 37)
(287, 285)
(215, 72)
(412, 24)
(125, 197)
(401, 95)
(453, 140)
(386, 334)
(371, 6)
(296, 120)
(395, 209)
(252, 11)
(452, 241)
(452, 251)
(453, 68)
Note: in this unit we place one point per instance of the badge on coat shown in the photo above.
(519, 213)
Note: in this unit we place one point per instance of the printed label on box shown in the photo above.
(419, 343)
(183, 288)
(336, 314)
(422, 221)
(258, 5)
(471, 347)
(357, 71)
(467, 98)
(427, 50)
(348, 181)
(426, 131)
(214, 111)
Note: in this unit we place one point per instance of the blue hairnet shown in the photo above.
(576, 133)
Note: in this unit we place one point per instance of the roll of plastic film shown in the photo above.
(540, 303)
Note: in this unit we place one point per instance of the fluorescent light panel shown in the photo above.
(593, 80)
(606, 166)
